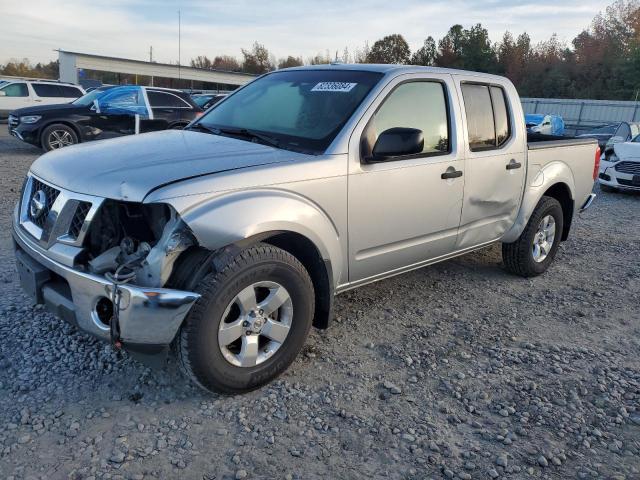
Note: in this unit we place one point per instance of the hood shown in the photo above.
(627, 150)
(43, 109)
(128, 168)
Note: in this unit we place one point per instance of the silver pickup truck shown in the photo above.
(229, 240)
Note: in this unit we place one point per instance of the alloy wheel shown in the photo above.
(255, 324)
(544, 238)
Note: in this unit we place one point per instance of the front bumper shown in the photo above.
(610, 177)
(149, 317)
(29, 133)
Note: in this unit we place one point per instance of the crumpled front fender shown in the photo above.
(232, 217)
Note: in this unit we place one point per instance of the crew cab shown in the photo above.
(105, 112)
(15, 94)
(230, 239)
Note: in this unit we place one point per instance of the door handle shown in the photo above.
(512, 165)
(451, 173)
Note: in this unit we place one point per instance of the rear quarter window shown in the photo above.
(69, 92)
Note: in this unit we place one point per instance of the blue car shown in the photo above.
(544, 124)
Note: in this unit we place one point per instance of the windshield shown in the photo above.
(606, 130)
(88, 98)
(200, 100)
(301, 109)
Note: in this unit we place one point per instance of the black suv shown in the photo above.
(105, 112)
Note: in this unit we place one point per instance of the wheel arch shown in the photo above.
(224, 225)
(555, 180)
(66, 123)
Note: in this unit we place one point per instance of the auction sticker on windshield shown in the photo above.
(333, 87)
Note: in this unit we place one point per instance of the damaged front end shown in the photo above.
(104, 265)
(138, 243)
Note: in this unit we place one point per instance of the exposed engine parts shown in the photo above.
(137, 243)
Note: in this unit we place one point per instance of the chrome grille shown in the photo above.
(79, 217)
(632, 168)
(13, 121)
(64, 216)
(50, 194)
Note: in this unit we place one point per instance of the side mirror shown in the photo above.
(96, 106)
(396, 142)
(3, 93)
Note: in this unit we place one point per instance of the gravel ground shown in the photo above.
(454, 371)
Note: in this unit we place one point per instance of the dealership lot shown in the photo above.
(457, 370)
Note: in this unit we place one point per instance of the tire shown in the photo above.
(202, 354)
(608, 189)
(57, 136)
(519, 257)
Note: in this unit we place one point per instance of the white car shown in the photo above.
(16, 94)
(620, 166)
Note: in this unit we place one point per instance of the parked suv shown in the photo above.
(230, 238)
(105, 112)
(17, 94)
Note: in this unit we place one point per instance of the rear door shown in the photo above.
(168, 109)
(402, 212)
(47, 93)
(495, 160)
(16, 95)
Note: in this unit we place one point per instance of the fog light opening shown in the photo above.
(104, 311)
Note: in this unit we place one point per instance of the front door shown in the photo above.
(405, 210)
(495, 166)
(118, 109)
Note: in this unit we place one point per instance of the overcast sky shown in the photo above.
(126, 28)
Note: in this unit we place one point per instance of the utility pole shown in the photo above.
(179, 45)
(151, 60)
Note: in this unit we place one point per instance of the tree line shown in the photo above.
(602, 62)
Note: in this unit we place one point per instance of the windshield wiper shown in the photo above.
(249, 134)
(204, 128)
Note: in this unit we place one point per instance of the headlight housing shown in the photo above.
(30, 118)
(612, 158)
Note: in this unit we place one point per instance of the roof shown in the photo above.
(388, 68)
(184, 67)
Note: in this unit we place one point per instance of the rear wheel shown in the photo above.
(250, 323)
(58, 136)
(536, 248)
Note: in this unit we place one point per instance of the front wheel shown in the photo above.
(250, 323)
(536, 248)
(58, 136)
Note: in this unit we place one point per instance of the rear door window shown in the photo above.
(165, 100)
(16, 90)
(487, 116)
(46, 90)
